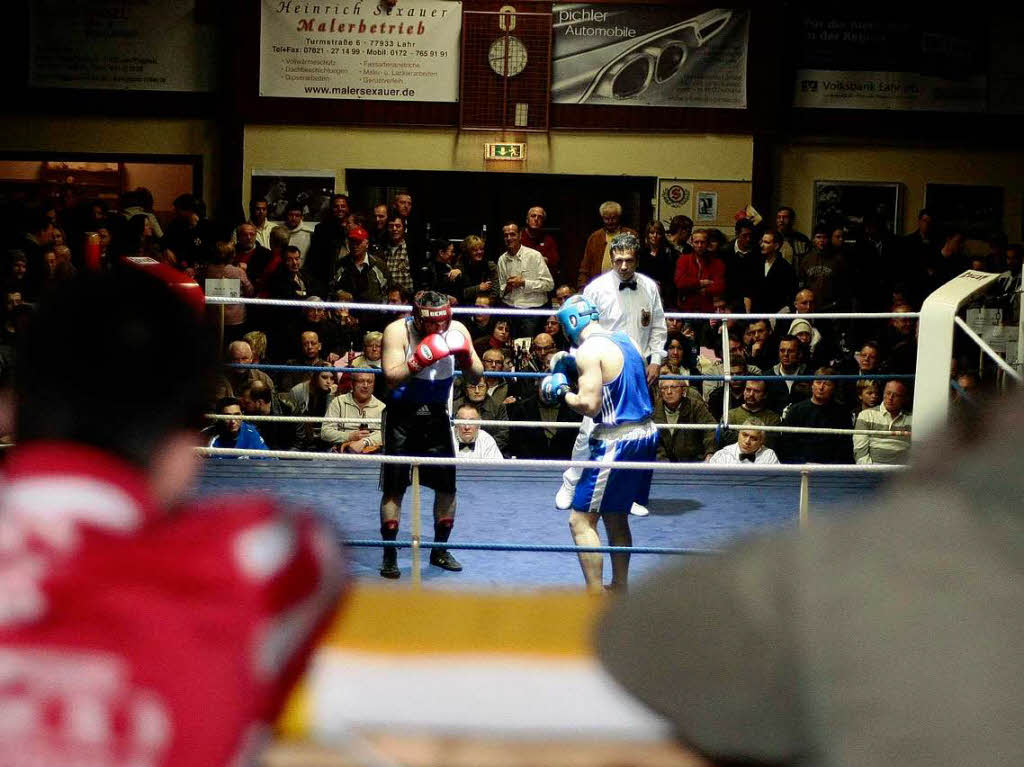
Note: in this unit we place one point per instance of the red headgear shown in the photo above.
(358, 233)
(431, 306)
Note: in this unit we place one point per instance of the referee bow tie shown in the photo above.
(467, 446)
(747, 457)
(631, 285)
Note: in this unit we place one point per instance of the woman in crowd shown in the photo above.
(657, 259)
(500, 338)
(441, 273)
(221, 267)
(479, 276)
(311, 398)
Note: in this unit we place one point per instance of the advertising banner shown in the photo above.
(629, 55)
(350, 49)
(851, 60)
(112, 44)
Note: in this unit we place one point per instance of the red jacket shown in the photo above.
(690, 270)
(132, 635)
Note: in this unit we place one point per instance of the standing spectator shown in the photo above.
(309, 348)
(37, 238)
(821, 412)
(441, 273)
(597, 255)
(916, 251)
(823, 270)
(290, 281)
(354, 434)
(258, 209)
(524, 279)
(329, 243)
(772, 288)
(396, 255)
(754, 407)
(233, 432)
(888, 417)
(473, 442)
(699, 276)
(479, 276)
(413, 232)
(534, 236)
(562, 292)
(361, 274)
(793, 245)
(679, 230)
(311, 398)
(379, 230)
(250, 255)
(299, 234)
(139, 202)
(190, 236)
(946, 264)
(901, 346)
(256, 398)
(657, 259)
(678, 403)
(481, 326)
(741, 260)
(749, 446)
(233, 315)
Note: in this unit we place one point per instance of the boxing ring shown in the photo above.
(493, 665)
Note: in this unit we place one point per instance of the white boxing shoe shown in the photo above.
(638, 511)
(564, 496)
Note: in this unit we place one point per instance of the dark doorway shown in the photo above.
(459, 203)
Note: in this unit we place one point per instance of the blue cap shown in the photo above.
(576, 313)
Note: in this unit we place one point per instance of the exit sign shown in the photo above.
(504, 151)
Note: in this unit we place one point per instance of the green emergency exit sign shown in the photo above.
(504, 151)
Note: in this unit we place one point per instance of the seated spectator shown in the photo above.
(708, 333)
(354, 434)
(680, 354)
(220, 267)
(813, 352)
(823, 270)
(888, 417)
(678, 403)
(868, 396)
(901, 346)
(311, 398)
(256, 398)
(783, 392)
(479, 275)
(762, 348)
(821, 411)
(310, 354)
(232, 433)
(236, 379)
(489, 407)
(473, 442)
(753, 407)
(561, 293)
(480, 326)
(373, 345)
(335, 338)
(257, 341)
(716, 399)
(864, 361)
(500, 338)
(749, 447)
(345, 325)
(554, 329)
(536, 442)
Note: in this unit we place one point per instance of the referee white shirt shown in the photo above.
(636, 312)
(528, 264)
(731, 455)
(484, 448)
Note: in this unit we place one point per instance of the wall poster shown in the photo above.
(312, 189)
(631, 55)
(118, 45)
(352, 49)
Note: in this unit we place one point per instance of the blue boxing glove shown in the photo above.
(565, 363)
(553, 389)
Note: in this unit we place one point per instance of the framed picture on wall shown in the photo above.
(312, 189)
(846, 203)
(975, 210)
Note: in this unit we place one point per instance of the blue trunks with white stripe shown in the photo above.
(605, 489)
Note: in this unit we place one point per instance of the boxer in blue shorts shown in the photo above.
(612, 389)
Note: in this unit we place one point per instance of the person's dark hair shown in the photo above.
(744, 223)
(824, 229)
(789, 210)
(224, 402)
(654, 226)
(187, 203)
(293, 206)
(511, 222)
(292, 249)
(678, 223)
(393, 215)
(143, 198)
(789, 338)
(776, 237)
(253, 201)
(131, 317)
(36, 220)
(334, 197)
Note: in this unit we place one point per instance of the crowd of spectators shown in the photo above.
(381, 257)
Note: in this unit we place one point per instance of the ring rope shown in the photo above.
(546, 547)
(531, 374)
(563, 424)
(540, 463)
(547, 312)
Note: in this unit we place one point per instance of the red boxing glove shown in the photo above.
(431, 349)
(460, 349)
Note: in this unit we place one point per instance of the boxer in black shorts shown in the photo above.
(419, 359)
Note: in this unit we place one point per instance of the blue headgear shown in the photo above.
(576, 313)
